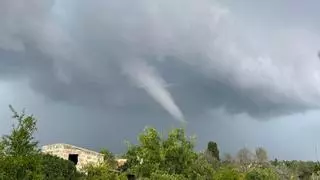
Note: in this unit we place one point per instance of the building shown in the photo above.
(80, 156)
(121, 162)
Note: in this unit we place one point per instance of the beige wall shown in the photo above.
(85, 156)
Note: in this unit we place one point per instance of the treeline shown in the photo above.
(155, 157)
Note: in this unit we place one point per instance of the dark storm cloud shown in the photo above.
(188, 60)
(196, 94)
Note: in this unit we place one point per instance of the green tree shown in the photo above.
(21, 141)
(160, 175)
(55, 168)
(284, 172)
(20, 154)
(145, 158)
(109, 157)
(227, 173)
(174, 155)
(101, 172)
(21, 168)
(213, 149)
(262, 174)
(215, 164)
(305, 170)
(177, 152)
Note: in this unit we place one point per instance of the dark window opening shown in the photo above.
(73, 158)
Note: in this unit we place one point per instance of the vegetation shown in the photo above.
(213, 150)
(156, 156)
(54, 168)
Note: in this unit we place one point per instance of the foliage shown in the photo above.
(228, 173)
(174, 155)
(261, 174)
(109, 157)
(20, 157)
(21, 141)
(102, 171)
(301, 169)
(55, 168)
(19, 152)
(275, 162)
(215, 164)
(145, 158)
(20, 167)
(177, 152)
(160, 175)
(200, 169)
(284, 172)
(213, 150)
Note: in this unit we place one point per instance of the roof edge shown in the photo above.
(71, 146)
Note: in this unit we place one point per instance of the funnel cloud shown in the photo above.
(146, 77)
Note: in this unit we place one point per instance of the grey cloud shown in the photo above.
(196, 94)
(78, 51)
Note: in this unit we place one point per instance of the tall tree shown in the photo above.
(174, 155)
(21, 141)
(20, 154)
(213, 149)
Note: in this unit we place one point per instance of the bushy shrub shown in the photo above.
(55, 168)
(160, 175)
(261, 174)
(21, 167)
(228, 174)
(102, 171)
(200, 169)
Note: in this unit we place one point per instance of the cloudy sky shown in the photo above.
(95, 73)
